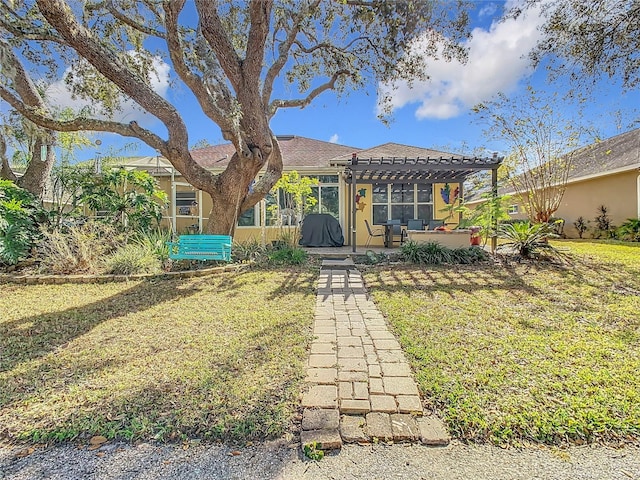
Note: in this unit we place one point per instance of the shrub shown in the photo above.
(133, 259)
(288, 256)
(581, 225)
(468, 255)
(155, 241)
(128, 199)
(526, 238)
(249, 251)
(434, 253)
(630, 230)
(77, 249)
(18, 222)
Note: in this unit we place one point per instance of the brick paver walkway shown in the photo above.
(360, 385)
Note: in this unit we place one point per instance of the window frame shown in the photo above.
(389, 203)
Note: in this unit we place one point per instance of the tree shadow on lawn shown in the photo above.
(449, 279)
(238, 394)
(19, 343)
(289, 281)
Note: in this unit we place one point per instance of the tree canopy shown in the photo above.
(597, 37)
(236, 57)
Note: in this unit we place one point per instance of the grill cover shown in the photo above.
(321, 230)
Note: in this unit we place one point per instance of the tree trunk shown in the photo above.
(230, 193)
(5, 169)
(35, 177)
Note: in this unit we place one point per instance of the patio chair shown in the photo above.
(371, 233)
(415, 224)
(397, 230)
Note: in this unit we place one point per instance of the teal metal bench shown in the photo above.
(201, 247)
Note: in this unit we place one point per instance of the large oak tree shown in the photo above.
(233, 55)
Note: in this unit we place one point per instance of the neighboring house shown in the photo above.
(605, 173)
(406, 195)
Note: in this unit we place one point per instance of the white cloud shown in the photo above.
(488, 10)
(334, 138)
(59, 95)
(497, 62)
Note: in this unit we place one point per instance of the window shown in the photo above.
(513, 210)
(327, 195)
(186, 203)
(402, 201)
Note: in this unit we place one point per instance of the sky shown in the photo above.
(433, 114)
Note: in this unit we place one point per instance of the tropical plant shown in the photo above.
(19, 214)
(128, 199)
(630, 230)
(468, 255)
(428, 252)
(526, 238)
(581, 225)
(491, 210)
(603, 224)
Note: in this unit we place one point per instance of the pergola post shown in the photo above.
(352, 199)
(494, 218)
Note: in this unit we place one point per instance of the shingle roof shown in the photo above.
(394, 150)
(296, 152)
(608, 155)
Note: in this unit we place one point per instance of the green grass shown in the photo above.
(525, 352)
(218, 357)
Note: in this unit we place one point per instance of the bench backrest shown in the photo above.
(216, 247)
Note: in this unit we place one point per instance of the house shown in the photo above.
(605, 173)
(390, 181)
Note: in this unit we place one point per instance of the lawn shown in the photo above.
(523, 353)
(217, 357)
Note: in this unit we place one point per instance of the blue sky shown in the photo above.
(434, 114)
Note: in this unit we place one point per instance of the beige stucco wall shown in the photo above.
(617, 192)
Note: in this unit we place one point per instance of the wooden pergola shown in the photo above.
(414, 170)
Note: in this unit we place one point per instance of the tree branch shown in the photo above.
(60, 16)
(259, 15)
(79, 124)
(303, 102)
(213, 31)
(130, 22)
(193, 81)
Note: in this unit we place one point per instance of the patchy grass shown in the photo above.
(525, 352)
(217, 357)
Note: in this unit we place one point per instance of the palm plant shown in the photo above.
(630, 230)
(526, 238)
